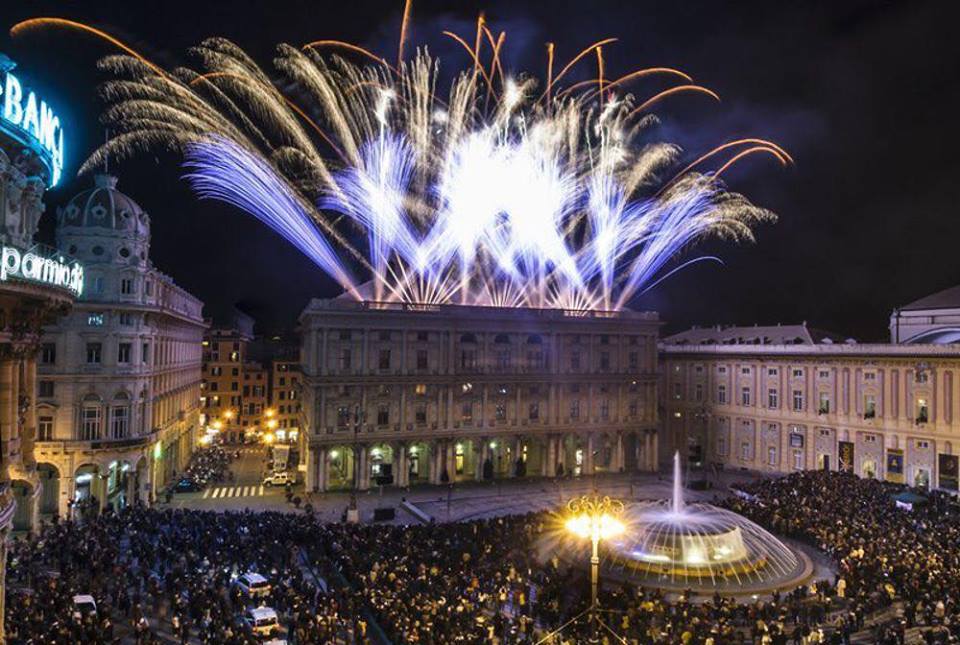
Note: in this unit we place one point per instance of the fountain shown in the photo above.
(697, 545)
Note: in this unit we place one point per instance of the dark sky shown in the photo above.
(865, 95)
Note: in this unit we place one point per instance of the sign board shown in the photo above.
(29, 119)
(41, 267)
(895, 465)
(846, 456)
(949, 465)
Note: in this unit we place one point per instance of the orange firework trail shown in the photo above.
(600, 75)
(32, 23)
(674, 90)
(576, 59)
(403, 30)
(350, 46)
(749, 151)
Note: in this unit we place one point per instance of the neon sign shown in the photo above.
(33, 267)
(35, 124)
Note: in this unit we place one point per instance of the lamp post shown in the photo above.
(596, 518)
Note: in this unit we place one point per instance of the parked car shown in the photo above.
(262, 621)
(279, 479)
(84, 605)
(187, 485)
(253, 585)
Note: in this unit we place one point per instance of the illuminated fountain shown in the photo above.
(673, 543)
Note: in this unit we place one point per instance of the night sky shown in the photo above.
(864, 95)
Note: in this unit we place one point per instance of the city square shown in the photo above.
(438, 323)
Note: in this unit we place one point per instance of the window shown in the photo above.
(420, 414)
(824, 407)
(94, 353)
(421, 359)
(90, 419)
(382, 390)
(468, 359)
(145, 354)
(503, 359)
(677, 391)
(123, 352)
(45, 389)
(420, 389)
(384, 336)
(148, 288)
(383, 415)
(45, 429)
(126, 286)
(345, 358)
(126, 319)
(575, 409)
(746, 451)
(605, 409)
(95, 320)
(824, 374)
(797, 400)
(235, 386)
(343, 416)
(923, 412)
(534, 412)
(500, 412)
(344, 334)
(798, 460)
(698, 392)
(869, 376)
(466, 411)
(773, 398)
(604, 361)
(722, 369)
(722, 446)
(575, 359)
(745, 371)
(798, 373)
(772, 371)
(604, 339)
(771, 456)
(119, 422)
(383, 361)
(48, 354)
(633, 360)
(633, 409)
(745, 396)
(466, 388)
(869, 406)
(722, 394)
(422, 336)
(921, 376)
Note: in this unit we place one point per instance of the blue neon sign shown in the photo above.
(33, 121)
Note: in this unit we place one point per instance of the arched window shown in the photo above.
(120, 416)
(502, 339)
(91, 418)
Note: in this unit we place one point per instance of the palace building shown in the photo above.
(400, 394)
(784, 398)
(119, 387)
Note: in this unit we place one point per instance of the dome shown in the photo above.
(104, 207)
(102, 224)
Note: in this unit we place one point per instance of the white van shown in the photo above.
(279, 479)
(262, 621)
(253, 585)
(84, 605)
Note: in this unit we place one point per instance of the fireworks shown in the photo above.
(497, 191)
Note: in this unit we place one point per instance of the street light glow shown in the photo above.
(602, 526)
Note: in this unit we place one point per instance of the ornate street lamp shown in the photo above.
(596, 518)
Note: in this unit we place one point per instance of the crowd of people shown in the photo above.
(484, 581)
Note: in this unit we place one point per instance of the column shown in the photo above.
(323, 470)
(618, 453)
(549, 468)
(451, 461)
(310, 483)
(588, 455)
(516, 455)
(654, 451)
(398, 464)
(364, 476)
(483, 455)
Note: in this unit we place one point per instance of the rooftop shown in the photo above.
(946, 299)
(778, 334)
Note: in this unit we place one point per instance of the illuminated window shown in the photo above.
(420, 389)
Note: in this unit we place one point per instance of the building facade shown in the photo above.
(285, 407)
(37, 285)
(449, 393)
(793, 399)
(254, 396)
(224, 355)
(119, 385)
